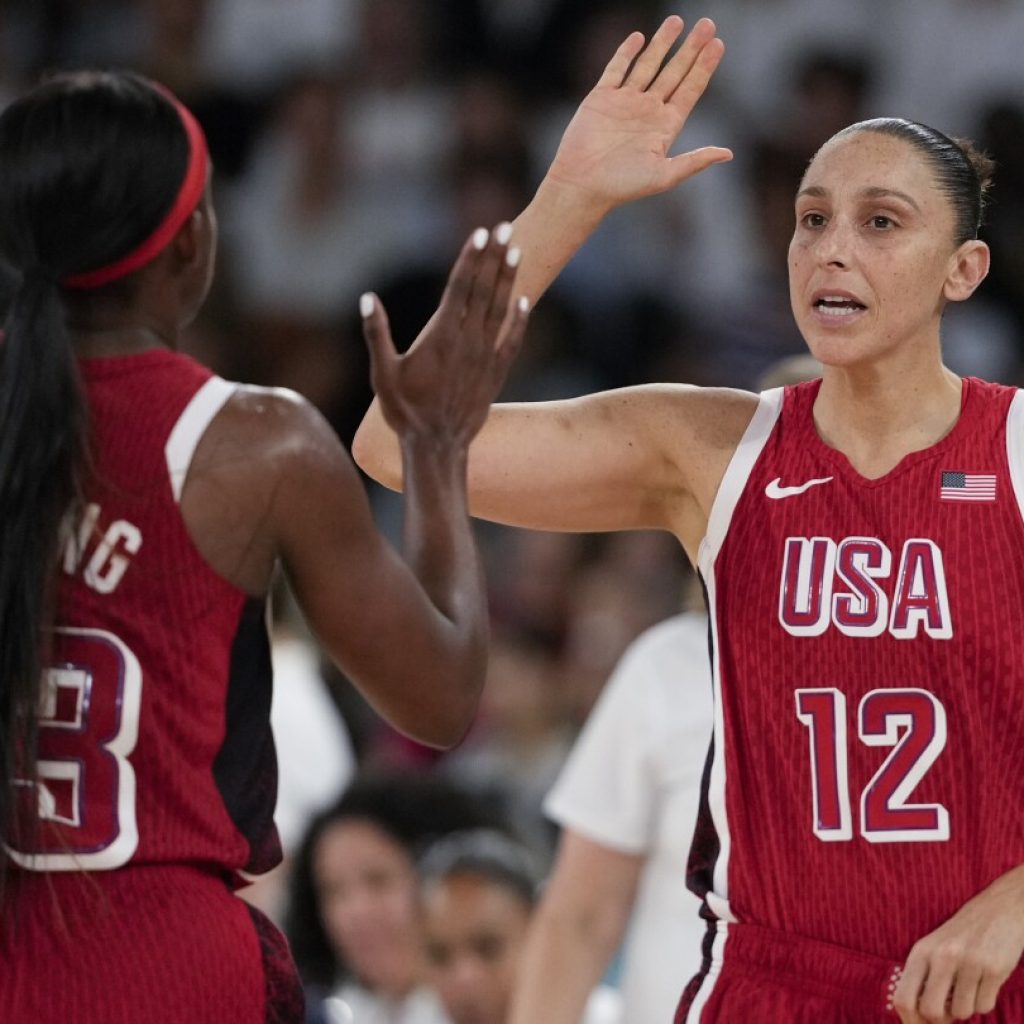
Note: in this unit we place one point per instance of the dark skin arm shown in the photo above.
(271, 482)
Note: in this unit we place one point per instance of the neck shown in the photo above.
(98, 332)
(877, 414)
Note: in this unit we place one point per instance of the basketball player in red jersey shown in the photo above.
(860, 537)
(144, 504)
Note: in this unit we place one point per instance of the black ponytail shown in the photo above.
(42, 455)
(89, 164)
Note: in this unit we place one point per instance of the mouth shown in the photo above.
(837, 307)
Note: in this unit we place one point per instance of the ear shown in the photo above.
(186, 244)
(968, 267)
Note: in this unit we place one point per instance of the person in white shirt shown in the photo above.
(627, 802)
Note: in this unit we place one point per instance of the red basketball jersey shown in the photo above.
(155, 743)
(864, 778)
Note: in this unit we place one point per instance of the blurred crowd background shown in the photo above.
(357, 142)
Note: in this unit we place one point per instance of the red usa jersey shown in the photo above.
(154, 739)
(868, 665)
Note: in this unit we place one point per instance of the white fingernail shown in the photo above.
(523, 304)
(366, 305)
(502, 233)
(480, 237)
(513, 256)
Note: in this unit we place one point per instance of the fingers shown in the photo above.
(988, 990)
(491, 271)
(647, 65)
(460, 281)
(965, 994)
(377, 333)
(615, 73)
(693, 84)
(932, 1002)
(503, 289)
(909, 989)
(686, 165)
(673, 73)
(512, 340)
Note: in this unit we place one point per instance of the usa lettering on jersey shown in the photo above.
(850, 584)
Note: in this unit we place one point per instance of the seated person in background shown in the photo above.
(478, 892)
(353, 920)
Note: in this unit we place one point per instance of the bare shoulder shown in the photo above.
(696, 430)
(716, 417)
(258, 447)
(275, 423)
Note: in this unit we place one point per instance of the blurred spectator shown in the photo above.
(532, 573)
(314, 753)
(521, 739)
(303, 237)
(767, 38)
(944, 59)
(253, 46)
(830, 91)
(1002, 136)
(631, 585)
(478, 892)
(627, 801)
(399, 127)
(756, 328)
(353, 921)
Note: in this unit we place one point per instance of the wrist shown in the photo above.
(438, 449)
(570, 204)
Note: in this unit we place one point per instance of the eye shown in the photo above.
(882, 222)
(813, 220)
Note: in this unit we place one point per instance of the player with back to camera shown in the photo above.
(145, 503)
(859, 846)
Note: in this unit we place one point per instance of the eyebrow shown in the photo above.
(873, 192)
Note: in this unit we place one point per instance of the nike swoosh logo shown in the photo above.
(773, 490)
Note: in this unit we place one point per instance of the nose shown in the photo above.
(833, 244)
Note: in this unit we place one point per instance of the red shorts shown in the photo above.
(161, 945)
(757, 974)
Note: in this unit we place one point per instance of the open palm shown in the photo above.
(616, 146)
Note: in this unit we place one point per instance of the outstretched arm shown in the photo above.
(412, 632)
(648, 457)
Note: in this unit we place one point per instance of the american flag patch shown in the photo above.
(968, 487)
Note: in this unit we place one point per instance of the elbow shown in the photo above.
(446, 727)
(450, 716)
(369, 454)
(362, 449)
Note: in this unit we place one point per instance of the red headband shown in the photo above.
(185, 202)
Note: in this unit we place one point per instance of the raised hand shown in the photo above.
(957, 970)
(616, 146)
(443, 386)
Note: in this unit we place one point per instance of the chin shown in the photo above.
(840, 353)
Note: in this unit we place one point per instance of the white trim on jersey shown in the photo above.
(1015, 447)
(755, 437)
(735, 480)
(188, 431)
(706, 986)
